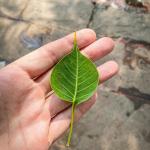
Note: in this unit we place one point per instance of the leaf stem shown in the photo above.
(71, 125)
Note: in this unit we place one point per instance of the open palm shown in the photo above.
(31, 116)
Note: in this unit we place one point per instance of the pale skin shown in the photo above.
(30, 117)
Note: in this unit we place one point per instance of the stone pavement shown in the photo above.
(120, 119)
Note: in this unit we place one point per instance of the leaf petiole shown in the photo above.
(71, 124)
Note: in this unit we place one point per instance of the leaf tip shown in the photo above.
(75, 37)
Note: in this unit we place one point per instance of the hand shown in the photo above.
(31, 116)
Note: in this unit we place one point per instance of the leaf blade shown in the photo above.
(80, 72)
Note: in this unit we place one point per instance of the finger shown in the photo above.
(56, 105)
(61, 122)
(99, 48)
(106, 71)
(95, 51)
(42, 59)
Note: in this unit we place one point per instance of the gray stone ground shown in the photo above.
(120, 119)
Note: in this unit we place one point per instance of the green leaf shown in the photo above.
(74, 79)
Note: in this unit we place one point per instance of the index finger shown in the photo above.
(42, 59)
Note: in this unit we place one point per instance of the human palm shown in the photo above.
(31, 116)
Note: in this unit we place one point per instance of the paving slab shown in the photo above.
(120, 118)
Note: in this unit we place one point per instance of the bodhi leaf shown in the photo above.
(74, 79)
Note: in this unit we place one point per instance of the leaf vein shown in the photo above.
(85, 80)
(82, 75)
(69, 82)
(83, 96)
(67, 89)
(63, 93)
(86, 87)
(82, 63)
(69, 70)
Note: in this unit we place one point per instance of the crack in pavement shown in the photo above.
(132, 41)
(19, 18)
(133, 94)
(92, 14)
(25, 7)
(2, 15)
(136, 96)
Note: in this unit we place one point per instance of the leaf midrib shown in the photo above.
(76, 83)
